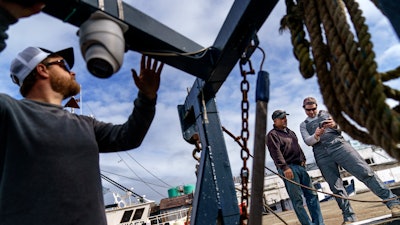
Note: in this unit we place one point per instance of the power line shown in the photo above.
(138, 176)
(131, 178)
(123, 188)
(148, 170)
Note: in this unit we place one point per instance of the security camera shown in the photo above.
(102, 43)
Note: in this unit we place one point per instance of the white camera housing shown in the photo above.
(102, 43)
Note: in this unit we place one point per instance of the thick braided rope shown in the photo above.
(322, 55)
(320, 52)
(301, 46)
(390, 92)
(382, 122)
(351, 87)
(342, 47)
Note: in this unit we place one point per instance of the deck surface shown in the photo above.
(375, 213)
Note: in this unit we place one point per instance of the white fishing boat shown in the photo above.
(132, 209)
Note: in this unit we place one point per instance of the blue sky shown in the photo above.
(164, 155)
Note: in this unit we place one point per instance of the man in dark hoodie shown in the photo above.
(290, 161)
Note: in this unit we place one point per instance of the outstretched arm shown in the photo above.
(148, 81)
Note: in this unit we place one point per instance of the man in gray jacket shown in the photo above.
(49, 157)
(320, 131)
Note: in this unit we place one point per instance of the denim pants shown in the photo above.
(341, 153)
(296, 194)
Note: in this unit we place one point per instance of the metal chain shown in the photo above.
(195, 139)
(245, 154)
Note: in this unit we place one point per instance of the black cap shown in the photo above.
(278, 114)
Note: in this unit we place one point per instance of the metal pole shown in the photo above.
(257, 182)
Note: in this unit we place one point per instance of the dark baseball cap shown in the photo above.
(279, 114)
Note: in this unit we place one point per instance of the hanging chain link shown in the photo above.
(244, 173)
(195, 139)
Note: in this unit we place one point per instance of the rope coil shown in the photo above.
(351, 87)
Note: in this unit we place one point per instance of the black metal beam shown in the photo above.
(241, 25)
(146, 34)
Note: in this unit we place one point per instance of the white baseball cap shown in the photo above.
(30, 57)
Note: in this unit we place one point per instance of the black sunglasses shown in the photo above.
(312, 109)
(62, 63)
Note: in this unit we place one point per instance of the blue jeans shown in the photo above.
(340, 153)
(296, 194)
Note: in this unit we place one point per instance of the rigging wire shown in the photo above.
(131, 178)
(148, 170)
(120, 186)
(126, 164)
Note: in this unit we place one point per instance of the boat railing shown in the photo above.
(170, 218)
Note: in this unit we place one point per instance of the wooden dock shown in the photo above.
(368, 213)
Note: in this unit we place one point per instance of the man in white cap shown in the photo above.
(290, 161)
(49, 157)
(320, 131)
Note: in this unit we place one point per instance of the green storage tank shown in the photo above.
(187, 189)
(172, 192)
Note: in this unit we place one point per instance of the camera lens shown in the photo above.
(100, 68)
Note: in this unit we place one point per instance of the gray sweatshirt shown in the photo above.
(49, 160)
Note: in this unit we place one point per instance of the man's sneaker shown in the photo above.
(395, 210)
(347, 222)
